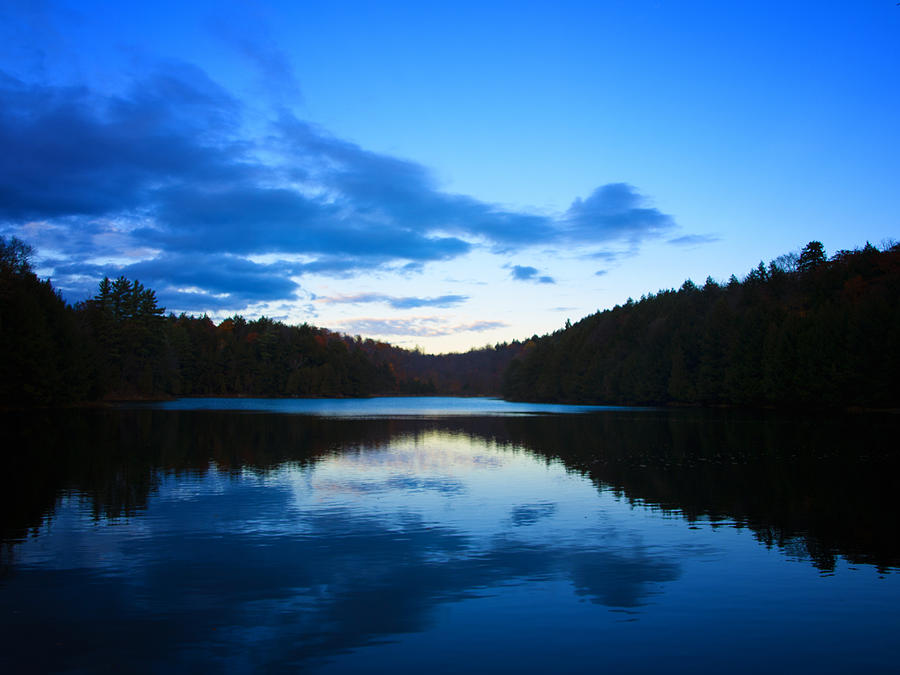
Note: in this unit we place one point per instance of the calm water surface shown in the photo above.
(442, 535)
(401, 406)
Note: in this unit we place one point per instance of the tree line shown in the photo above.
(804, 330)
(120, 344)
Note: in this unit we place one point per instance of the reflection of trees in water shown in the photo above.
(815, 486)
(115, 459)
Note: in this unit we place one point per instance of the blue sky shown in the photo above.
(441, 175)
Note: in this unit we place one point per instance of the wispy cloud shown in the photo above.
(241, 28)
(608, 256)
(479, 326)
(409, 302)
(694, 239)
(423, 326)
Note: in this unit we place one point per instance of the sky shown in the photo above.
(441, 175)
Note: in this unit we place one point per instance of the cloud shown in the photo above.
(416, 326)
(397, 302)
(69, 153)
(527, 273)
(694, 240)
(479, 326)
(390, 190)
(523, 272)
(427, 326)
(250, 219)
(166, 170)
(609, 256)
(615, 212)
(223, 281)
(410, 268)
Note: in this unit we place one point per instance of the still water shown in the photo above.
(442, 535)
(401, 406)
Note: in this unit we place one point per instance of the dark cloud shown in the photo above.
(248, 219)
(398, 302)
(528, 273)
(694, 239)
(223, 281)
(615, 212)
(166, 171)
(523, 272)
(386, 189)
(70, 153)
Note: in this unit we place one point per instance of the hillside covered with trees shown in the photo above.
(803, 331)
(121, 345)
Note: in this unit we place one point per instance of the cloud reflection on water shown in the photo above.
(351, 551)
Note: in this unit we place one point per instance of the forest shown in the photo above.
(804, 330)
(120, 345)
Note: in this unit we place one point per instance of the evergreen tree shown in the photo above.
(811, 257)
(42, 353)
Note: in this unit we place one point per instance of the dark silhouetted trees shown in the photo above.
(811, 257)
(119, 345)
(43, 353)
(802, 331)
(128, 340)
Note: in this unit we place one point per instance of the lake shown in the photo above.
(441, 534)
